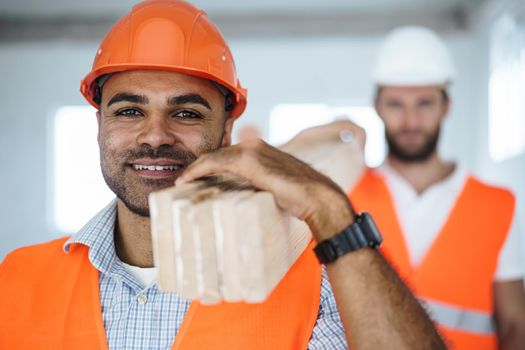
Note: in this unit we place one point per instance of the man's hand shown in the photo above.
(342, 130)
(297, 188)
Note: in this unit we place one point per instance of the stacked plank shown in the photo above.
(219, 239)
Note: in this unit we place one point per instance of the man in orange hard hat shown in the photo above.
(166, 92)
(452, 237)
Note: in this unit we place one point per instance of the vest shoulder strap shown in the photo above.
(371, 194)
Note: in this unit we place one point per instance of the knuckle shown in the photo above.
(248, 156)
(254, 144)
(205, 157)
(253, 148)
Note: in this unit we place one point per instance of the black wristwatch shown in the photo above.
(362, 233)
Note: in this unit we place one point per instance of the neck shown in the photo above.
(133, 238)
(421, 175)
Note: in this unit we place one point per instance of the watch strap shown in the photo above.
(350, 239)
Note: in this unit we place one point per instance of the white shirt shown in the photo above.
(422, 216)
(145, 275)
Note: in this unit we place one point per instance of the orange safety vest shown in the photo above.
(454, 280)
(49, 299)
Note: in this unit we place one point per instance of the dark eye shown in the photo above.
(394, 104)
(426, 103)
(129, 112)
(188, 115)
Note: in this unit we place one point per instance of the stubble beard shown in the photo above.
(423, 153)
(132, 190)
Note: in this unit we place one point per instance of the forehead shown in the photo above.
(157, 82)
(411, 91)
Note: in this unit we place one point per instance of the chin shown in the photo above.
(140, 210)
(137, 203)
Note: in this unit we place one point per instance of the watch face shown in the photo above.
(370, 229)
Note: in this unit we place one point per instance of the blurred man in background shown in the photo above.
(453, 238)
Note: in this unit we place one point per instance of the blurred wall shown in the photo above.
(37, 78)
(509, 173)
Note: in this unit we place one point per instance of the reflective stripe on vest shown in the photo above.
(462, 319)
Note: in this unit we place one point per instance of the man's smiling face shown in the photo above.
(152, 124)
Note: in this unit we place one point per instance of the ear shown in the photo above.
(99, 122)
(99, 118)
(446, 108)
(228, 127)
(377, 107)
(377, 104)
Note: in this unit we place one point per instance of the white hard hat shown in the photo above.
(413, 56)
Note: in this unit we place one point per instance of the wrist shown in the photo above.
(362, 233)
(333, 217)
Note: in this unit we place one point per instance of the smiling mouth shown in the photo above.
(157, 167)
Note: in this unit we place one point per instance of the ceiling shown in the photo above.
(39, 8)
(44, 19)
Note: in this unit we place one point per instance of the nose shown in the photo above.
(411, 118)
(156, 132)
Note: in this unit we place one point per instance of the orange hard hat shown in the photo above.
(170, 35)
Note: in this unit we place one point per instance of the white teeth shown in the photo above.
(156, 167)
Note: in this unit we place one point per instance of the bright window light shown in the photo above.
(507, 88)
(79, 191)
(286, 120)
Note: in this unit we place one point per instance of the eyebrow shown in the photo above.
(189, 98)
(128, 97)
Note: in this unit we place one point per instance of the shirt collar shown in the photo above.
(97, 234)
(454, 182)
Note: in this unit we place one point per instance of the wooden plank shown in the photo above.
(162, 234)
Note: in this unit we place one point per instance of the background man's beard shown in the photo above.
(419, 155)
